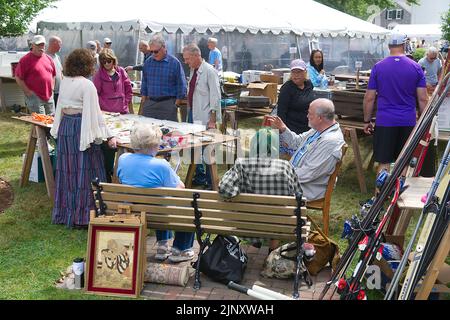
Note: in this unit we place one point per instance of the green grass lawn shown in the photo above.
(33, 251)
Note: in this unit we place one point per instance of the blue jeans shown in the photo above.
(183, 240)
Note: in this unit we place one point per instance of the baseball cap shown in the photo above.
(298, 64)
(38, 39)
(91, 45)
(107, 40)
(397, 38)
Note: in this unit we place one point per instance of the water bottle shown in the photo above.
(78, 270)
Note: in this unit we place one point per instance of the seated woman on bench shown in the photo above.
(142, 169)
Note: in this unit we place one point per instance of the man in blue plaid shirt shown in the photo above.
(163, 83)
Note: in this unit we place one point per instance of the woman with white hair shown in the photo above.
(143, 170)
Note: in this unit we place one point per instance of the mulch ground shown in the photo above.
(6, 195)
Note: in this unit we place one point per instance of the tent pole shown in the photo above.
(81, 38)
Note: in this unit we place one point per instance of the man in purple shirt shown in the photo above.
(397, 82)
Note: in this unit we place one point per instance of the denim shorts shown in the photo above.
(35, 104)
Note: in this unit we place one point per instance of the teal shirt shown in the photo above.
(315, 77)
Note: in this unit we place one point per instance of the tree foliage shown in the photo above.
(16, 15)
(362, 8)
(445, 27)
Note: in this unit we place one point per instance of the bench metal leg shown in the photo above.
(300, 251)
(197, 282)
(298, 231)
(202, 243)
(100, 210)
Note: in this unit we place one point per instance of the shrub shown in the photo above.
(419, 53)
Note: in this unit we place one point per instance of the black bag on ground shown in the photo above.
(224, 260)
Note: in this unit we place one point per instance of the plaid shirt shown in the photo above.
(163, 78)
(260, 176)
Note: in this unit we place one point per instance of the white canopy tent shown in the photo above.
(302, 17)
(427, 32)
(251, 34)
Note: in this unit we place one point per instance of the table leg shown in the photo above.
(46, 162)
(131, 107)
(29, 154)
(212, 167)
(2, 96)
(357, 158)
(120, 151)
(183, 113)
(371, 162)
(214, 176)
(209, 153)
(191, 169)
(403, 222)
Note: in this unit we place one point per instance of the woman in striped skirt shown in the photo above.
(80, 129)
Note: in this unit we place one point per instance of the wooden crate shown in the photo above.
(350, 103)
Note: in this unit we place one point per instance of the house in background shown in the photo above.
(390, 17)
(427, 12)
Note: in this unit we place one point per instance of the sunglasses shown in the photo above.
(107, 61)
(155, 51)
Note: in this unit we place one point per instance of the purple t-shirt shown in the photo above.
(396, 79)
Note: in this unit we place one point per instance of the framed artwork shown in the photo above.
(115, 258)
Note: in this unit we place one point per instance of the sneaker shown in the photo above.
(180, 256)
(162, 250)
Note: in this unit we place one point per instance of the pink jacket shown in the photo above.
(113, 96)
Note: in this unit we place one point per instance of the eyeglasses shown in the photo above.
(107, 61)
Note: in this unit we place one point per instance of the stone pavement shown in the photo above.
(211, 290)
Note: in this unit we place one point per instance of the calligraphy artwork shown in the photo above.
(114, 260)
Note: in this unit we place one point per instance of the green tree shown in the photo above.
(16, 15)
(445, 27)
(361, 8)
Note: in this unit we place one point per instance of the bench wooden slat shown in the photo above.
(228, 231)
(224, 223)
(208, 204)
(204, 194)
(238, 216)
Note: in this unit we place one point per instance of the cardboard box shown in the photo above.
(269, 90)
(280, 71)
(37, 171)
(249, 76)
(271, 78)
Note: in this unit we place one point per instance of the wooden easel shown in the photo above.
(436, 265)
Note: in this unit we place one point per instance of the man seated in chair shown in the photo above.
(317, 150)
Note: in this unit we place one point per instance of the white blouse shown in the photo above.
(80, 93)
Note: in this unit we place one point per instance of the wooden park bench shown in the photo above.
(204, 211)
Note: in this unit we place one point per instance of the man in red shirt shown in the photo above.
(35, 74)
